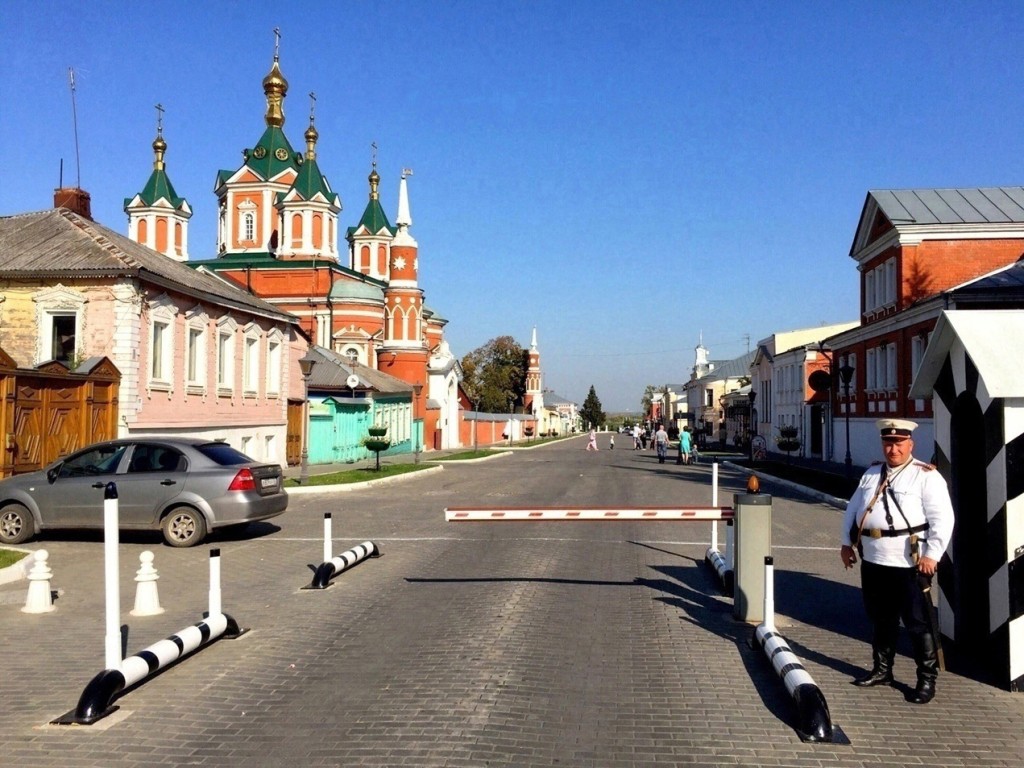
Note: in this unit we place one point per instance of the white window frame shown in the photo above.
(870, 381)
(251, 360)
(197, 332)
(275, 356)
(162, 329)
(58, 301)
(227, 330)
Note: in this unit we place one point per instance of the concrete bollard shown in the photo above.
(147, 599)
(40, 596)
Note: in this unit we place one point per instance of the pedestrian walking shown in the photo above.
(685, 446)
(611, 443)
(661, 443)
(636, 437)
(900, 521)
(592, 441)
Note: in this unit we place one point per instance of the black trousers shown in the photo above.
(891, 594)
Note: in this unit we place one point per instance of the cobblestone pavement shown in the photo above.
(482, 644)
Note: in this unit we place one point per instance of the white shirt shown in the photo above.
(923, 497)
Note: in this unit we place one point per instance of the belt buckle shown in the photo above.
(875, 533)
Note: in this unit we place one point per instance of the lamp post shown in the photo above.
(306, 363)
(416, 388)
(846, 372)
(752, 395)
(476, 420)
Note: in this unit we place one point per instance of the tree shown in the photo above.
(591, 412)
(494, 375)
(646, 400)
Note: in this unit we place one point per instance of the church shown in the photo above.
(279, 237)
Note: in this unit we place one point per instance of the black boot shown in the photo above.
(881, 672)
(927, 657)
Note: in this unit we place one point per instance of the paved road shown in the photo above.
(482, 644)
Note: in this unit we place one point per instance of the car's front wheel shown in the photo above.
(184, 527)
(15, 524)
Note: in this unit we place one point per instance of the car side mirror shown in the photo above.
(52, 473)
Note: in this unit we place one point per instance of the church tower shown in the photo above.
(369, 241)
(403, 298)
(309, 210)
(534, 398)
(157, 217)
(277, 202)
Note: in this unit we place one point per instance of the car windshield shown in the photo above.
(223, 454)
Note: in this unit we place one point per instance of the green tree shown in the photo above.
(494, 375)
(591, 412)
(647, 399)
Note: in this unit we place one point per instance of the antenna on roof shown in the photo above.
(74, 118)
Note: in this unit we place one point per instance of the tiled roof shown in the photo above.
(59, 244)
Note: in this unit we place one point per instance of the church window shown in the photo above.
(248, 227)
(161, 235)
(143, 232)
(318, 231)
(297, 230)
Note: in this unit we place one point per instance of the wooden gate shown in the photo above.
(50, 411)
(293, 437)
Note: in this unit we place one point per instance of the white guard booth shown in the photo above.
(972, 372)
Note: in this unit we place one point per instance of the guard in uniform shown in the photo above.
(900, 520)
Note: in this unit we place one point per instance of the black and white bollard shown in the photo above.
(96, 700)
(813, 720)
(721, 565)
(330, 568)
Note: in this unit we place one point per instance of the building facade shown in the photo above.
(913, 248)
(355, 292)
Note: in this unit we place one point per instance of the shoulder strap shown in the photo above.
(883, 483)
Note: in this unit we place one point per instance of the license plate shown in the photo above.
(268, 482)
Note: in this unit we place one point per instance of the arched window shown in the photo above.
(318, 231)
(297, 230)
(249, 227)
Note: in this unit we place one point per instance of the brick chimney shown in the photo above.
(74, 199)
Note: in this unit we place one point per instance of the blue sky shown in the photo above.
(625, 176)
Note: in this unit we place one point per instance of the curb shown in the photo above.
(19, 570)
(301, 490)
(833, 501)
(506, 452)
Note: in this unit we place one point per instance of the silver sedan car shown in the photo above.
(182, 486)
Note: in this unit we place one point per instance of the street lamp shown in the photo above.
(752, 395)
(306, 363)
(846, 372)
(416, 388)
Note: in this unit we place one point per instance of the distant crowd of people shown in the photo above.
(659, 440)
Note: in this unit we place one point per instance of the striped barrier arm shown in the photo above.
(516, 514)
